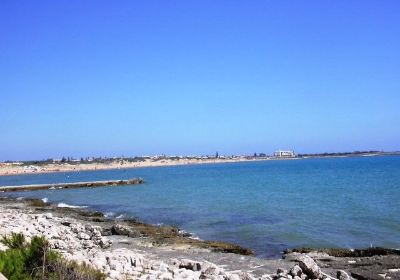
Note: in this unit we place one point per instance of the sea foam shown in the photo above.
(65, 205)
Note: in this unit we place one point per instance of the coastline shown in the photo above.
(130, 248)
(9, 169)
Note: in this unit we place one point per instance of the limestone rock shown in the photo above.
(245, 276)
(342, 275)
(83, 236)
(309, 267)
(189, 264)
(124, 230)
(296, 271)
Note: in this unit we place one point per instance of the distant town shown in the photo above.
(279, 154)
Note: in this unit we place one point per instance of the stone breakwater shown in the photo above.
(122, 253)
(75, 185)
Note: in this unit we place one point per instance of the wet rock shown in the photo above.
(338, 252)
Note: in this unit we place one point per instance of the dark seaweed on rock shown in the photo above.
(356, 253)
(167, 235)
(37, 202)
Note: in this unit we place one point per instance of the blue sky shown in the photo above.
(108, 78)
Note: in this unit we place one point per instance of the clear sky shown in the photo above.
(111, 78)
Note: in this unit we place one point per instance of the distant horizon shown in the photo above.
(101, 78)
(192, 155)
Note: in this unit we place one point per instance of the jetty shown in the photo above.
(75, 185)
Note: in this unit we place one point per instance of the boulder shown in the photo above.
(103, 242)
(124, 230)
(83, 236)
(106, 232)
(66, 223)
(342, 275)
(231, 277)
(281, 270)
(189, 264)
(245, 276)
(165, 276)
(309, 267)
(183, 274)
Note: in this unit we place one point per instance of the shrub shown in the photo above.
(35, 260)
(15, 241)
(12, 265)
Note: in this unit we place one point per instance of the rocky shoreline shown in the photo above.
(130, 249)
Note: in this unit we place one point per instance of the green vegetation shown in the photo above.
(35, 260)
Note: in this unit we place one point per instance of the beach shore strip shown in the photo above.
(17, 169)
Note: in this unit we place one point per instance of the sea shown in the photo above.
(268, 206)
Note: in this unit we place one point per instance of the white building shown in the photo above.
(284, 154)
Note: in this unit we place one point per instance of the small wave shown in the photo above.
(189, 234)
(65, 205)
(195, 237)
(45, 199)
(109, 214)
(120, 216)
(20, 198)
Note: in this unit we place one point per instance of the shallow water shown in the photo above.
(267, 206)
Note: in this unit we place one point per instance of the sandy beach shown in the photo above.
(17, 169)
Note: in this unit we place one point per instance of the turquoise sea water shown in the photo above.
(268, 205)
